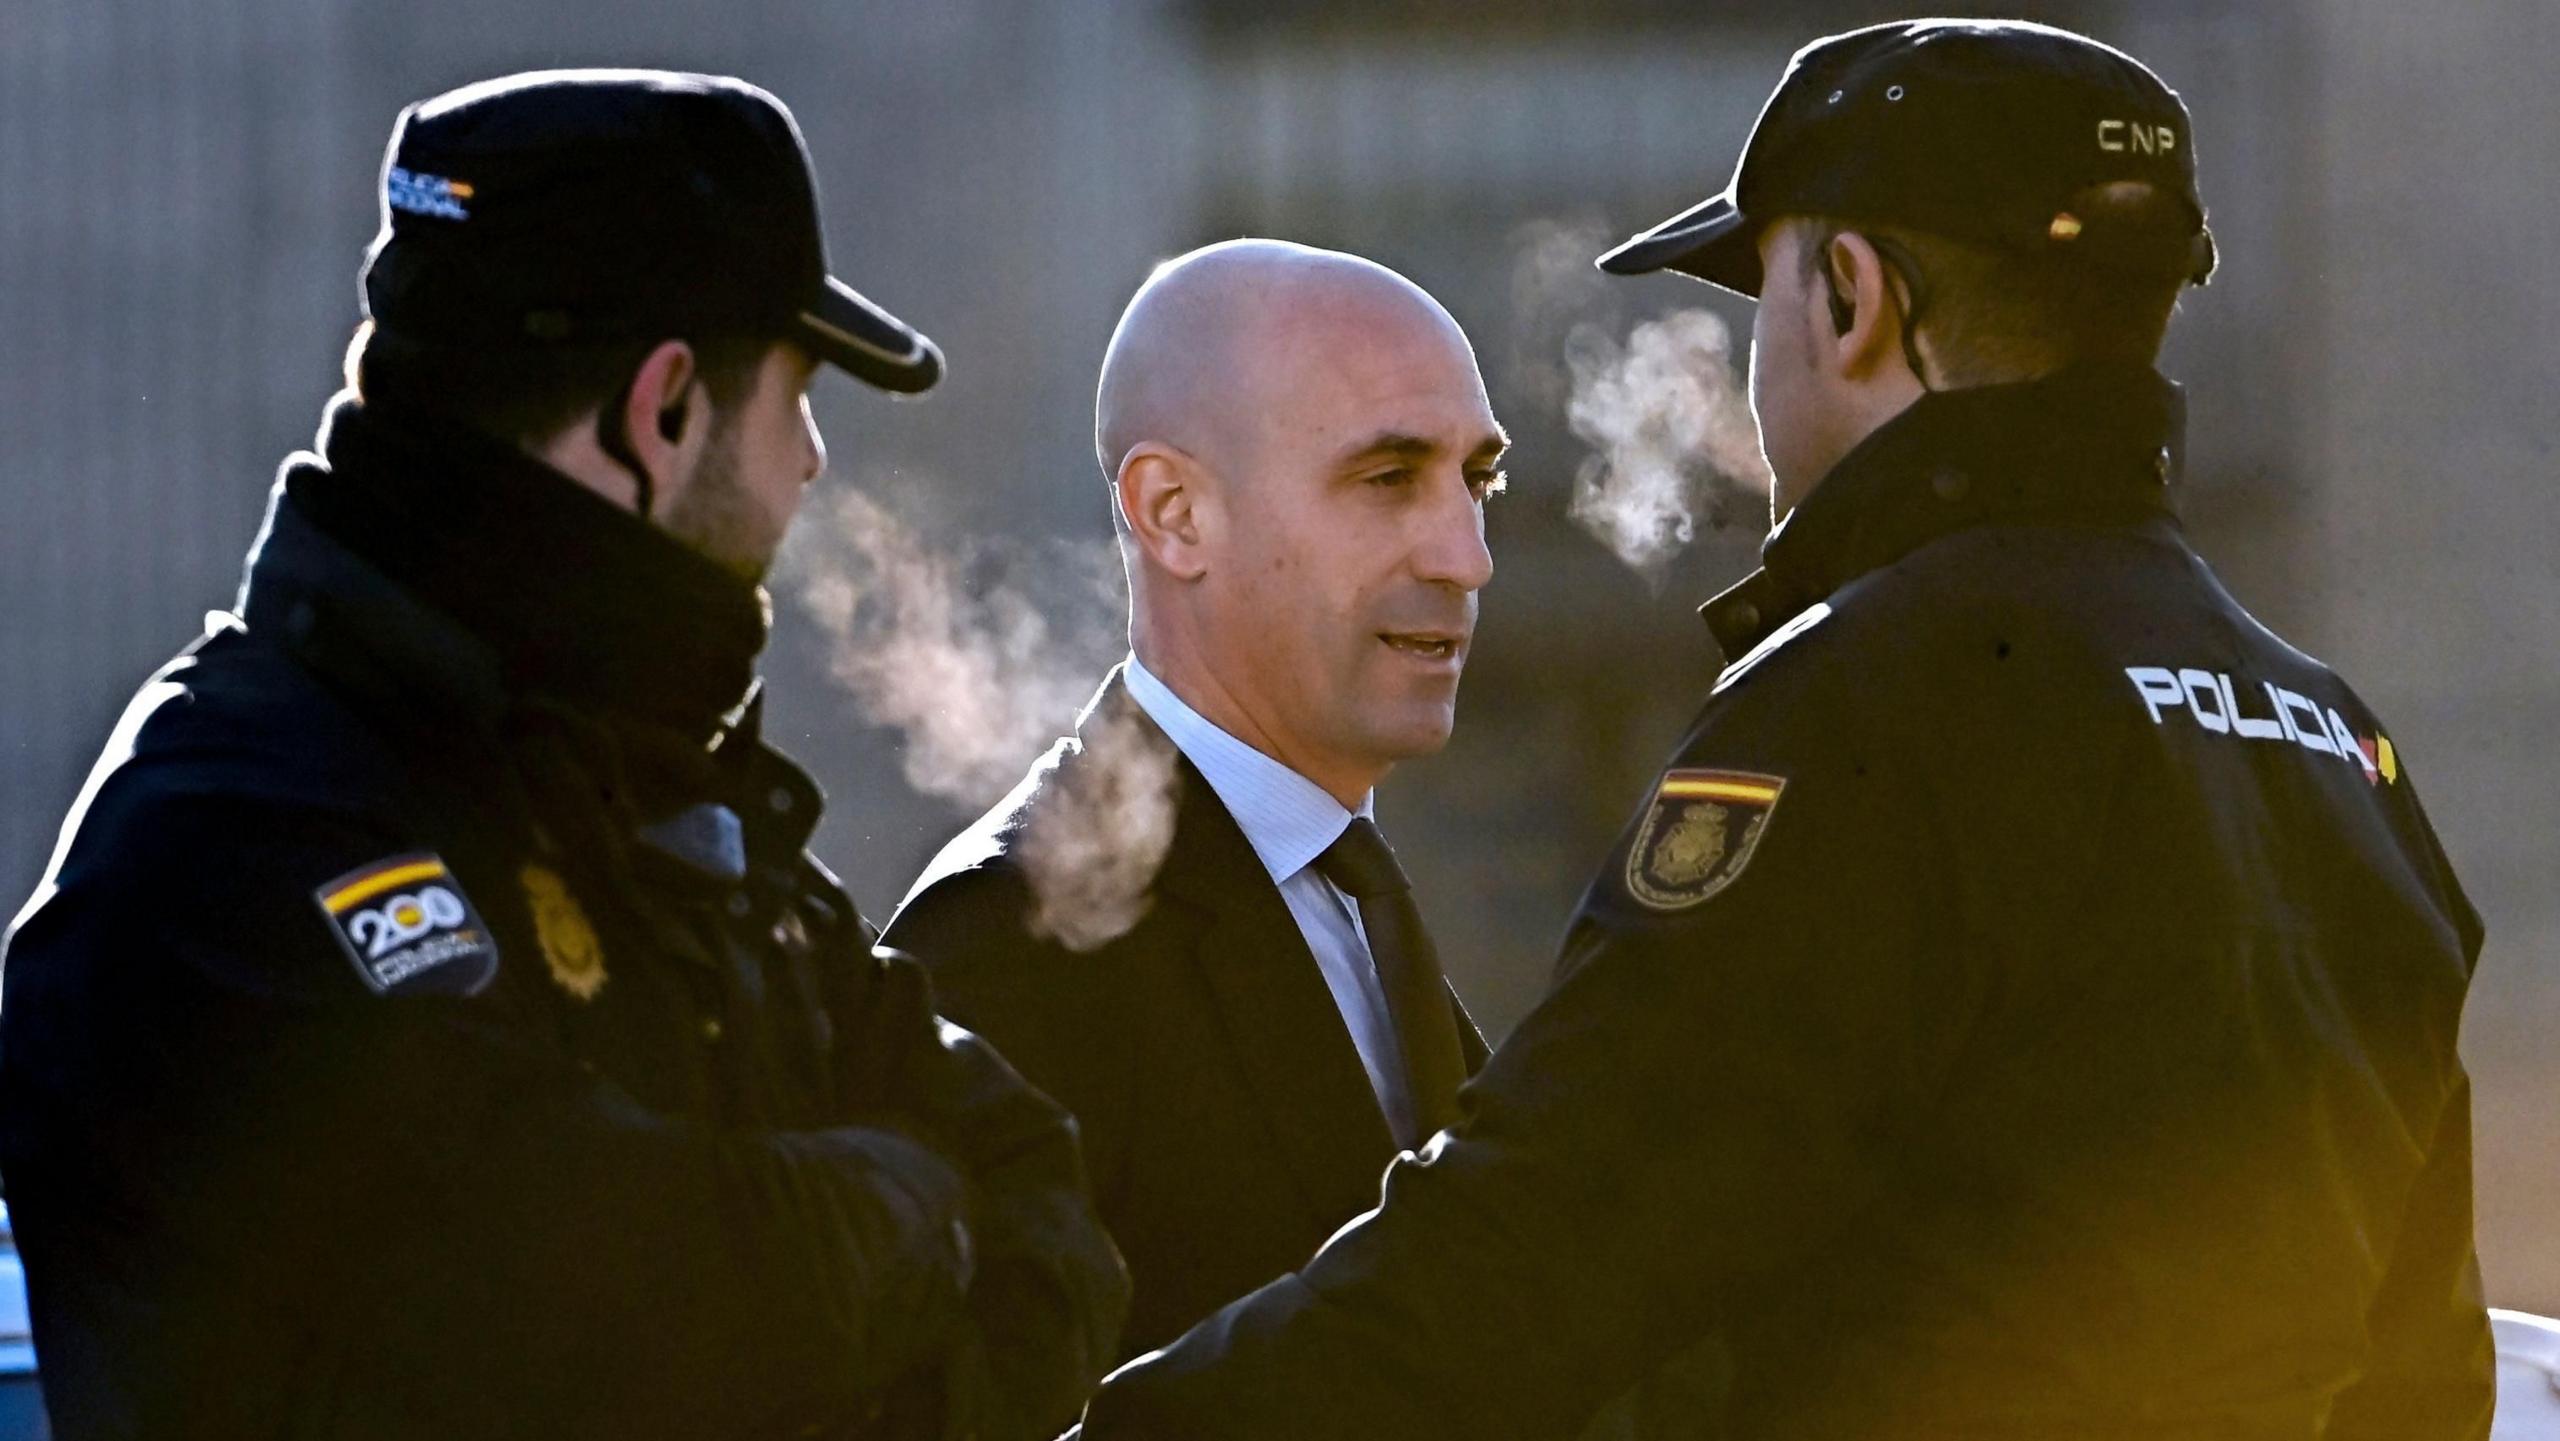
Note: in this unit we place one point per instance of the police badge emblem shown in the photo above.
(569, 943)
(1698, 834)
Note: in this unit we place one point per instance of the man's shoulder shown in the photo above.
(976, 902)
(1112, 792)
(984, 859)
(1069, 863)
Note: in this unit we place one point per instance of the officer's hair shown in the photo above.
(527, 397)
(1993, 313)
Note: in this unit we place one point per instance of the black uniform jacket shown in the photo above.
(389, 1053)
(1227, 1123)
(2026, 1007)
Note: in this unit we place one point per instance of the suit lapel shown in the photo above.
(1470, 1040)
(1279, 1017)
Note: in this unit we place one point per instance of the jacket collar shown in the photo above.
(580, 604)
(421, 668)
(2093, 443)
(344, 617)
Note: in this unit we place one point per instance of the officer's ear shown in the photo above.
(1868, 307)
(1164, 504)
(662, 421)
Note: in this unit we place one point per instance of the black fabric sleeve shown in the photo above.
(991, 975)
(1707, 1094)
(2432, 1370)
(468, 1227)
(1051, 1296)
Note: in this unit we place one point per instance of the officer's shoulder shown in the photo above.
(1982, 567)
(1867, 637)
(2268, 651)
(1861, 631)
(233, 715)
(1985, 632)
(1986, 595)
(239, 794)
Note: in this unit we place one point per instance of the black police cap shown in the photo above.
(1974, 129)
(581, 207)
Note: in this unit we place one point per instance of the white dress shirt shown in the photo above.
(1290, 821)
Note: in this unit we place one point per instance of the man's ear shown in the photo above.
(1869, 339)
(665, 416)
(1165, 503)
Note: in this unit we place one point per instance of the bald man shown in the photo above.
(1299, 450)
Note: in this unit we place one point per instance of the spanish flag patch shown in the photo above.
(1698, 834)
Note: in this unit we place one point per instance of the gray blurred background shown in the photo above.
(186, 185)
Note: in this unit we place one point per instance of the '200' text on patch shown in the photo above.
(408, 928)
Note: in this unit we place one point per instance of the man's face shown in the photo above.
(756, 464)
(1342, 595)
(1790, 395)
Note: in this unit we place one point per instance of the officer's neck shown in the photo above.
(1848, 411)
(582, 601)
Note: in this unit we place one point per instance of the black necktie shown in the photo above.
(1418, 1004)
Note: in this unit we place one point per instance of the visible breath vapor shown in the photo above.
(1671, 434)
(980, 677)
(1093, 851)
(1554, 289)
(1664, 413)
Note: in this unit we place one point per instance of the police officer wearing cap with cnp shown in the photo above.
(2025, 1006)
(432, 1024)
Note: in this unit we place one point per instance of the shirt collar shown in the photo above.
(2092, 442)
(1288, 819)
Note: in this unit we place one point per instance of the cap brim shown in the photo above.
(1711, 241)
(867, 342)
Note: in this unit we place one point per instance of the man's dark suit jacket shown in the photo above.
(1228, 1125)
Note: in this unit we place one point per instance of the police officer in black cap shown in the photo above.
(432, 1024)
(2026, 1004)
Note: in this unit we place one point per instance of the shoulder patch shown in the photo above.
(1805, 620)
(406, 925)
(1698, 834)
